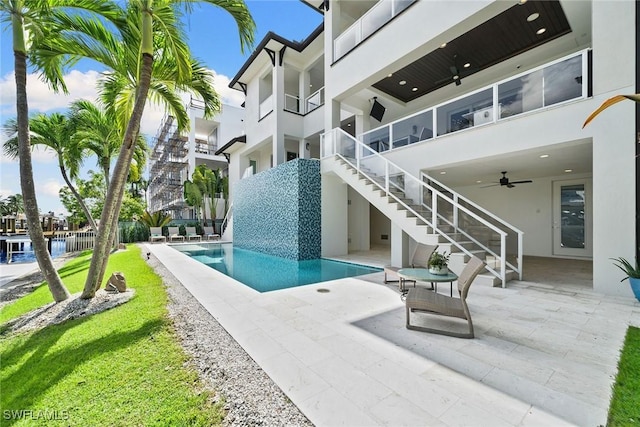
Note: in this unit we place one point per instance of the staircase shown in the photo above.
(429, 212)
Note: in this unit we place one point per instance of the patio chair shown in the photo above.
(156, 235)
(174, 234)
(430, 302)
(210, 234)
(191, 234)
(419, 259)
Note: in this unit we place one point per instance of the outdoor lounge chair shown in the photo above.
(156, 235)
(430, 302)
(191, 234)
(210, 234)
(174, 234)
(419, 259)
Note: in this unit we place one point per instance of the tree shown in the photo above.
(31, 22)
(193, 196)
(15, 204)
(152, 43)
(53, 131)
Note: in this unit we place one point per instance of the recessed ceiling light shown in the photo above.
(568, 170)
(478, 181)
(544, 156)
(390, 74)
(443, 173)
(522, 1)
(348, 124)
(443, 45)
(533, 17)
(456, 77)
(415, 89)
(540, 31)
(402, 82)
(467, 65)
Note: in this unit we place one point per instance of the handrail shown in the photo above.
(457, 197)
(362, 152)
(225, 221)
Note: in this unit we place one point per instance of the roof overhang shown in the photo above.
(275, 46)
(231, 146)
(510, 33)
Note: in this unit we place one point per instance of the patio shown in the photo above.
(544, 354)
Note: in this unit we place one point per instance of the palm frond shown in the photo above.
(608, 103)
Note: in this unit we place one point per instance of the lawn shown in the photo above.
(625, 402)
(120, 367)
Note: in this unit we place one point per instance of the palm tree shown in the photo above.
(32, 21)
(53, 131)
(149, 60)
(15, 204)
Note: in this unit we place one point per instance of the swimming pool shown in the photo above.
(57, 249)
(266, 273)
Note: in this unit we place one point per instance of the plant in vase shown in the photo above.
(438, 263)
(633, 274)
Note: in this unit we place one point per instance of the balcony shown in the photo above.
(292, 102)
(265, 107)
(383, 12)
(557, 82)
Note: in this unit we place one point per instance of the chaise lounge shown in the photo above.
(430, 302)
(210, 234)
(191, 234)
(174, 234)
(155, 235)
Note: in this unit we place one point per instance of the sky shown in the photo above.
(213, 38)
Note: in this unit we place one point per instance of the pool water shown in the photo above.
(266, 273)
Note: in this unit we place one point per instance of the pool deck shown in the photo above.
(543, 354)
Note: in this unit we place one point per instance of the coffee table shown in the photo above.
(423, 275)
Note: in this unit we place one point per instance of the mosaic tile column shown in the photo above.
(277, 211)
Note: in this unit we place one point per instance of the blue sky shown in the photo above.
(213, 39)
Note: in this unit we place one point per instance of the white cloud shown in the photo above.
(81, 85)
(229, 96)
(50, 187)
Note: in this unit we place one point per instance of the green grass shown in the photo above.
(120, 367)
(625, 402)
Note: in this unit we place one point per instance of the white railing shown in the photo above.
(76, 241)
(292, 102)
(315, 100)
(227, 217)
(393, 180)
(247, 172)
(383, 12)
(554, 83)
(265, 107)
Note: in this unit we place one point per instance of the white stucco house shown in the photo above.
(458, 123)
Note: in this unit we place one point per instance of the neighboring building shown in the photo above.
(434, 100)
(175, 156)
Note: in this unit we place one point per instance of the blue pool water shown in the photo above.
(269, 273)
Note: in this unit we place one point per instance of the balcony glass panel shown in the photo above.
(400, 5)
(563, 81)
(292, 103)
(413, 129)
(377, 140)
(520, 95)
(467, 112)
(376, 18)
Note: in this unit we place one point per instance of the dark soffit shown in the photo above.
(501, 37)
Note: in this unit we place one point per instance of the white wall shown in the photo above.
(614, 180)
(334, 215)
(358, 213)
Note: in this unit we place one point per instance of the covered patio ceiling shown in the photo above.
(518, 29)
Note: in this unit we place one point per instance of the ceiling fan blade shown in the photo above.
(510, 185)
(492, 185)
(521, 182)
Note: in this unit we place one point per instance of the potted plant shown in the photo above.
(438, 263)
(633, 274)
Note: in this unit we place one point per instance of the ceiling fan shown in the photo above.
(504, 181)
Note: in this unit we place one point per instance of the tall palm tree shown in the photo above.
(96, 130)
(149, 59)
(32, 21)
(53, 131)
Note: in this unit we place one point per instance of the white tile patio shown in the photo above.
(543, 355)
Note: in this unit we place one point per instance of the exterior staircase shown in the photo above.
(429, 213)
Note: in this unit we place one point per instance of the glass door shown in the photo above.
(572, 224)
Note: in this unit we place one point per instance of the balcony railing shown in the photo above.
(265, 107)
(383, 12)
(560, 81)
(292, 102)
